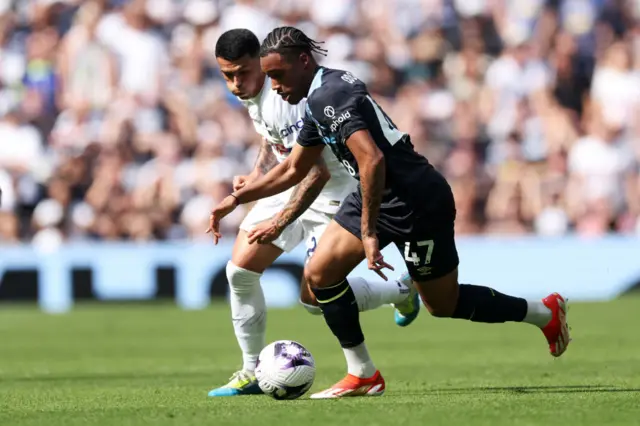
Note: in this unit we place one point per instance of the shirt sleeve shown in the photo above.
(294, 124)
(347, 108)
(309, 135)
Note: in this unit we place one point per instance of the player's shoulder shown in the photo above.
(334, 86)
(340, 79)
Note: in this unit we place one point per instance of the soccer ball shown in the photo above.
(285, 370)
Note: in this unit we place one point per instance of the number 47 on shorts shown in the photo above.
(424, 248)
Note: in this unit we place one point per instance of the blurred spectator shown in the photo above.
(116, 125)
(604, 173)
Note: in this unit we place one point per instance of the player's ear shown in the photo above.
(305, 59)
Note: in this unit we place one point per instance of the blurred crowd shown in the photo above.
(115, 123)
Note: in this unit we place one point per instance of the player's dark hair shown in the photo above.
(289, 39)
(234, 44)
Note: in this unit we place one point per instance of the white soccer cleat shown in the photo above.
(407, 311)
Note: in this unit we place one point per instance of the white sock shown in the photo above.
(312, 309)
(537, 313)
(248, 313)
(359, 362)
(372, 295)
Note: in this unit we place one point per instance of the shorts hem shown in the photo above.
(352, 231)
(433, 277)
(282, 246)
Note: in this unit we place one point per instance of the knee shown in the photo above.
(241, 280)
(308, 298)
(314, 276)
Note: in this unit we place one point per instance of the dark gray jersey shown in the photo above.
(338, 105)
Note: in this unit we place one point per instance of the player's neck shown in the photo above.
(259, 91)
(311, 76)
(264, 83)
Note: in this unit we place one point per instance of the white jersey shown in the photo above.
(279, 123)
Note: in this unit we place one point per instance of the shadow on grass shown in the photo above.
(528, 389)
(185, 375)
(103, 376)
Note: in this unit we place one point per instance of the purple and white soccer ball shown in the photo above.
(286, 370)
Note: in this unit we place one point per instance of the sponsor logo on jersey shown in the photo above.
(291, 129)
(329, 111)
(329, 140)
(338, 121)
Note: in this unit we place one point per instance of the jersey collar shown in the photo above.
(316, 82)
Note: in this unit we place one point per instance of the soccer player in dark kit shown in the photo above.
(401, 199)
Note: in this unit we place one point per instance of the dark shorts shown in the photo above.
(424, 236)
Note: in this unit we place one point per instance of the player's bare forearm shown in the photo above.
(266, 161)
(277, 180)
(282, 177)
(372, 179)
(304, 194)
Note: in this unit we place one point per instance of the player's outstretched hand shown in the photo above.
(375, 261)
(265, 232)
(225, 207)
(239, 182)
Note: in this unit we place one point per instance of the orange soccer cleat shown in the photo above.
(557, 330)
(353, 386)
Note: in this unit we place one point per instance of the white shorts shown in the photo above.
(307, 228)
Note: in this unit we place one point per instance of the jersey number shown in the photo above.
(410, 256)
(313, 243)
(349, 168)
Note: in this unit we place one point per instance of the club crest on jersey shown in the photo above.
(289, 130)
(338, 121)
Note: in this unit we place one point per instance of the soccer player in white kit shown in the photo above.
(290, 218)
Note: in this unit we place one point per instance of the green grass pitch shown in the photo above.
(153, 365)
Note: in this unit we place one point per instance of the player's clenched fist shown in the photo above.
(225, 207)
(239, 182)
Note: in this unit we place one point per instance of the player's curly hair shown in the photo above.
(286, 39)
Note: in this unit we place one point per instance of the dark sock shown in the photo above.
(484, 304)
(338, 304)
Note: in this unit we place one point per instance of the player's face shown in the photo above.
(243, 76)
(289, 75)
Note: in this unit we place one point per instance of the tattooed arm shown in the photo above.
(304, 167)
(304, 194)
(266, 161)
(371, 166)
